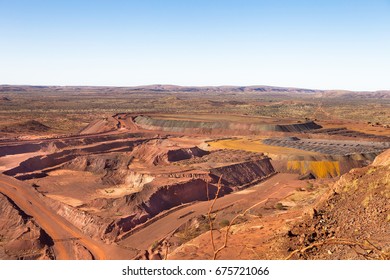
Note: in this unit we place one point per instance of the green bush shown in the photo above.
(279, 206)
(310, 187)
(224, 223)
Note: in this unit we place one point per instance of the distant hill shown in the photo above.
(158, 88)
(243, 89)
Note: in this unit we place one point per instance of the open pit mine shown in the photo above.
(142, 186)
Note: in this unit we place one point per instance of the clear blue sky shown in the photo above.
(312, 44)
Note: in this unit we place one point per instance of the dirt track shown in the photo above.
(57, 227)
(271, 188)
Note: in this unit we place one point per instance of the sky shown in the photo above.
(310, 44)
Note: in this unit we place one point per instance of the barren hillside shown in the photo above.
(353, 221)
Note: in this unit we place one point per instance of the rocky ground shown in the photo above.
(352, 221)
(348, 220)
(20, 236)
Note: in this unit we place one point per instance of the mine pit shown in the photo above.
(133, 179)
(119, 184)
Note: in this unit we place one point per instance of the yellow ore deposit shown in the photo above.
(320, 169)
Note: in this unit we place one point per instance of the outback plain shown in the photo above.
(171, 172)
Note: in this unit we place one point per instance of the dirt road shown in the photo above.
(57, 227)
(274, 187)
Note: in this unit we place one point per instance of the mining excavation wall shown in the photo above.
(218, 127)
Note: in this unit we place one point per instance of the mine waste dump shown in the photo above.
(330, 147)
(218, 126)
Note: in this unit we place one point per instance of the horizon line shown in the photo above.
(190, 86)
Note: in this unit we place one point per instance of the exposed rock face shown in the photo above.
(137, 180)
(117, 168)
(89, 224)
(156, 153)
(151, 202)
(218, 127)
(112, 168)
(20, 236)
(237, 175)
(39, 163)
(154, 197)
(352, 222)
(62, 143)
(20, 149)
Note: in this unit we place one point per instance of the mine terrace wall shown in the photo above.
(239, 174)
(89, 224)
(219, 127)
(38, 163)
(181, 154)
(151, 201)
(43, 145)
